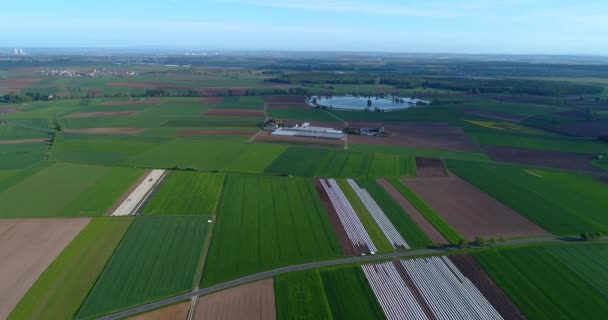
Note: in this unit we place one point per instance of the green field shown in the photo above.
(302, 114)
(370, 225)
(63, 287)
(408, 229)
(25, 129)
(158, 258)
(551, 282)
(67, 190)
(429, 213)
(562, 203)
(267, 222)
(186, 193)
(349, 294)
(300, 295)
(251, 103)
(603, 164)
(413, 152)
(19, 156)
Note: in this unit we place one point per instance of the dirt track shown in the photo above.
(109, 131)
(472, 212)
(234, 113)
(414, 214)
(175, 312)
(100, 114)
(251, 301)
(27, 247)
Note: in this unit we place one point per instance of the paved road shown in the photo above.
(314, 265)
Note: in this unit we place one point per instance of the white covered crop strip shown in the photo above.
(139, 195)
(348, 217)
(396, 299)
(380, 217)
(448, 293)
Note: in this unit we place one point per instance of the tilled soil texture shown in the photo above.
(424, 136)
(17, 84)
(212, 100)
(23, 141)
(548, 159)
(109, 131)
(175, 312)
(595, 128)
(254, 301)
(101, 114)
(472, 212)
(234, 113)
(430, 168)
(345, 243)
(495, 115)
(414, 214)
(265, 136)
(470, 269)
(28, 246)
(201, 133)
(8, 110)
(284, 99)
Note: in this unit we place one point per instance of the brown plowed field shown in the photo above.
(27, 247)
(101, 114)
(19, 83)
(8, 110)
(424, 136)
(198, 133)
(111, 131)
(470, 269)
(547, 159)
(284, 99)
(131, 103)
(430, 168)
(265, 136)
(345, 243)
(175, 312)
(23, 141)
(286, 106)
(472, 212)
(496, 115)
(254, 301)
(212, 100)
(414, 214)
(95, 93)
(234, 113)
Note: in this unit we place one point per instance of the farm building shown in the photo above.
(310, 132)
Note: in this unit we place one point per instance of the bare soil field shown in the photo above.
(424, 136)
(175, 312)
(251, 301)
(584, 128)
(23, 141)
(234, 113)
(19, 83)
(101, 114)
(132, 103)
(27, 247)
(279, 106)
(472, 212)
(110, 131)
(345, 243)
(416, 216)
(200, 133)
(284, 99)
(470, 269)
(212, 100)
(265, 136)
(8, 110)
(496, 115)
(548, 159)
(430, 168)
(95, 93)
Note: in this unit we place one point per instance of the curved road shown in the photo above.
(314, 265)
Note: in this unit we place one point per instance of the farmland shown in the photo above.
(300, 295)
(187, 193)
(547, 282)
(63, 287)
(544, 197)
(165, 251)
(266, 222)
(254, 301)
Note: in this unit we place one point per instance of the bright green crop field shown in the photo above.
(562, 203)
(408, 229)
(429, 213)
(187, 193)
(300, 295)
(551, 282)
(157, 258)
(19, 156)
(63, 287)
(268, 222)
(67, 190)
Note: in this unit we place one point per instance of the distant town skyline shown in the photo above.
(459, 26)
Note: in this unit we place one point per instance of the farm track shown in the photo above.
(320, 264)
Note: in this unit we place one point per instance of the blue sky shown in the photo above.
(460, 26)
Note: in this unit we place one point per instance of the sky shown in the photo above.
(431, 26)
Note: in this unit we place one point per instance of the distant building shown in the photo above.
(308, 131)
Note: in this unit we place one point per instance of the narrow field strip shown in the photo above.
(139, 195)
(379, 216)
(348, 217)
